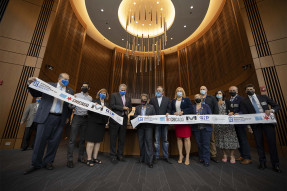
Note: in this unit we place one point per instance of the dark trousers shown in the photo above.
(244, 148)
(117, 132)
(161, 131)
(270, 134)
(79, 123)
(28, 134)
(145, 143)
(202, 138)
(47, 133)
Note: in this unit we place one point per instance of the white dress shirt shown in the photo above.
(52, 110)
(159, 99)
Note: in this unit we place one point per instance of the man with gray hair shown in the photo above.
(120, 103)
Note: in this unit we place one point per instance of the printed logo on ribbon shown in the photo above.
(63, 96)
(162, 118)
(258, 118)
(230, 119)
(140, 118)
(204, 118)
(190, 118)
(36, 83)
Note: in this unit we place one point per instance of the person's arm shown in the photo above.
(168, 106)
(242, 107)
(172, 108)
(273, 105)
(209, 112)
(152, 110)
(26, 114)
(113, 104)
(189, 107)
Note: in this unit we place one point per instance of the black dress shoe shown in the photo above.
(122, 159)
(150, 165)
(262, 166)
(82, 160)
(114, 160)
(276, 169)
(214, 159)
(24, 148)
(167, 160)
(140, 161)
(201, 161)
(70, 164)
(206, 164)
(30, 170)
(49, 166)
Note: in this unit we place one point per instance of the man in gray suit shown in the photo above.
(28, 117)
(51, 117)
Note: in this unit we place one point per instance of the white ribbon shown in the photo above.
(205, 119)
(46, 88)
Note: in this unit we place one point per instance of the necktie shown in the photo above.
(255, 105)
(124, 101)
(58, 104)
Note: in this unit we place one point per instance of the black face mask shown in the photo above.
(250, 92)
(232, 93)
(197, 100)
(143, 102)
(85, 90)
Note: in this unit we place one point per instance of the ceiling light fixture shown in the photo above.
(191, 7)
(184, 26)
(109, 28)
(102, 10)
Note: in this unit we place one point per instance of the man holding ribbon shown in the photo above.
(51, 117)
(260, 104)
(120, 103)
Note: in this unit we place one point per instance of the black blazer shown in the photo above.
(116, 103)
(235, 104)
(186, 106)
(212, 103)
(46, 105)
(149, 111)
(246, 106)
(98, 118)
(228, 106)
(164, 106)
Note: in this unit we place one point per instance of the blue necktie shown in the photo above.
(58, 104)
(255, 105)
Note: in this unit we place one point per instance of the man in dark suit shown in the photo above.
(51, 117)
(213, 105)
(28, 117)
(120, 103)
(145, 131)
(161, 105)
(260, 104)
(244, 148)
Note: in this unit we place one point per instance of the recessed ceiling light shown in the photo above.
(109, 28)
(157, 2)
(142, 24)
(184, 26)
(191, 7)
(150, 24)
(123, 39)
(136, 21)
(161, 9)
(135, 3)
(102, 10)
(171, 38)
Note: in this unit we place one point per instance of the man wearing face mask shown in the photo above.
(79, 123)
(212, 103)
(244, 148)
(51, 117)
(28, 117)
(145, 131)
(161, 105)
(120, 103)
(260, 104)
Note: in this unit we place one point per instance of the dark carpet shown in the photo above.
(129, 175)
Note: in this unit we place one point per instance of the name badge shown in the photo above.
(263, 103)
(236, 105)
(231, 105)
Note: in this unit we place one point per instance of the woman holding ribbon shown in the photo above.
(181, 105)
(96, 128)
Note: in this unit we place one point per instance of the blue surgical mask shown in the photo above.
(38, 100)
(179, 94)
(103, 96)
(122, 93)
(65, 82)
(158, 94)
(218, 96)
(202, 92)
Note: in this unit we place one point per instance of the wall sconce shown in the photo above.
(49, 67)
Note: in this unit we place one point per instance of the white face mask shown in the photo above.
(179, 94)
(202, 92)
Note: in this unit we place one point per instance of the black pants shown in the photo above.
(78, 123)
(145, 143)
(244, 148)
(28, 134)
(270, 134)
(117, 132)
(47, 133)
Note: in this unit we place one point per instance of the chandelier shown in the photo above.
(146, 23)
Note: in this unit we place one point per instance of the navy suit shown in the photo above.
(244, 148)
(202, 133)
(246, 107)
(186, 106)
(145, 135)
(49, 128)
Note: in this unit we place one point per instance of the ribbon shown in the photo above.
(205, 119)
(46, 88)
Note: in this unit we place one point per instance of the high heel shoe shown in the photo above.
(180, 159)
(224, 159)
(232, 160)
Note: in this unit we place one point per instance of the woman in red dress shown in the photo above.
(181, 105)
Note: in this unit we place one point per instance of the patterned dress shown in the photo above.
(225, 135)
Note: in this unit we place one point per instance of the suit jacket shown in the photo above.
(149, 111)
(186, 106)
(164, 106)
(246, 107)
(46, 104)
(116, 103)
(29, 114)
(97, 118)
(212, 103)
(235, 104)
(228, 106)
(205, 111)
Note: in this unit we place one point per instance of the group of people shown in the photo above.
(52, 114)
